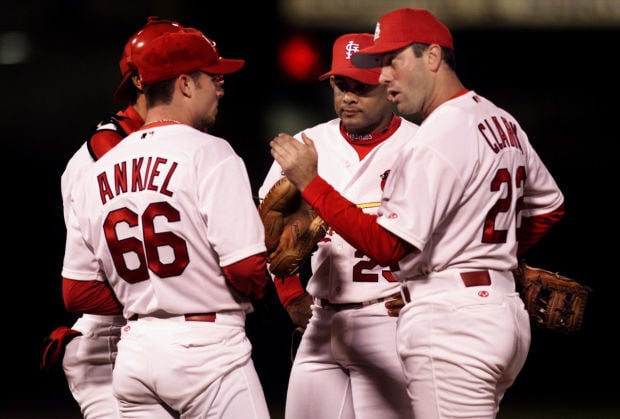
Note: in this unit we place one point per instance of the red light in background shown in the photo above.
(300, 59)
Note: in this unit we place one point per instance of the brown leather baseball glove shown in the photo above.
(292, 228)
(282, 199)
(554, 302)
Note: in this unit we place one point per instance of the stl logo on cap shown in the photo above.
(344, 50)
(351, 48)
(399, 28)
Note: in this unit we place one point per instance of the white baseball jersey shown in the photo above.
(162, 212)
(89, 359)
(118, 125)
(77, 165)
(342, 274)
(457, 192)
(347, 376)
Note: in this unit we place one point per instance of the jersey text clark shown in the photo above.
(501, 139)
(136, 179)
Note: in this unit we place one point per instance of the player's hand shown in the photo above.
(299, 310)
(54, 346)
(298, 160)
(394, 306)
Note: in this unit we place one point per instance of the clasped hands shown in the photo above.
(297, 159)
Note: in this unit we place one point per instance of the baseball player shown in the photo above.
(464, 200)
(165, 221)
(346, 365)
(89, 346)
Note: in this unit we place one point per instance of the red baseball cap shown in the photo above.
(399, 28)
(344, 48)
(181, 52)
(155, 26)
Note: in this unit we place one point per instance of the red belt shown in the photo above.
(190, 317)
(470, 279)
(200, 317)
(476, 278)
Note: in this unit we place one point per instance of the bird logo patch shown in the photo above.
(384, 177)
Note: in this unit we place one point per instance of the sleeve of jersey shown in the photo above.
(533, 228)
(92, 297)
(249, 276)
(361, 230)
(225, 199)
(288, 288)
(79, 262)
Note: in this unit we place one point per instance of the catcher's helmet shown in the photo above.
(155, 26)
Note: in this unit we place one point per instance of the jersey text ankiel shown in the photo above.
(136, 179)
(499, 135)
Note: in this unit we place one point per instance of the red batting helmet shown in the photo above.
(154, 27)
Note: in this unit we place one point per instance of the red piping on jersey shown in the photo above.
(459, 93)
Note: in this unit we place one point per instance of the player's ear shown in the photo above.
(433, 57)
(137, 82)
(185, 83)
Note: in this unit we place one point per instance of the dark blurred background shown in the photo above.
(548, 63)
